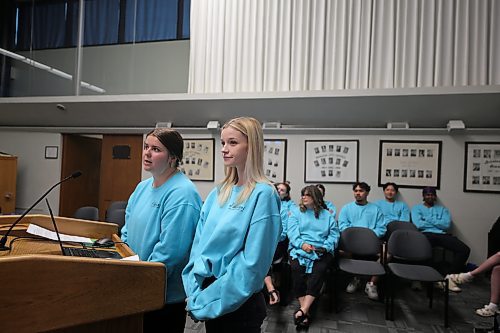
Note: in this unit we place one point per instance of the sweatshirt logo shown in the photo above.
(236, 207)
(155, 204)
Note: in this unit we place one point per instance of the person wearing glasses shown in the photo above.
(314, 236)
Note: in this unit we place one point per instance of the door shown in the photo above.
(120, 169)
(80, 153)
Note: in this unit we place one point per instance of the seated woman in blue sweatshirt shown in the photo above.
(236, 237)
(313, 235)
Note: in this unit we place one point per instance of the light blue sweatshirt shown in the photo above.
(321, 232)
(160, 224)
(331, 208)
(287, 205)
(435, 219)
(284, 213)
(394, 211)
(235, 244)
(367, 216)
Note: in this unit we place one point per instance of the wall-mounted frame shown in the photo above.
(331, 161)
(412, 164)
(275, 159)
(198, 161)
(51, 152)
(482, 167)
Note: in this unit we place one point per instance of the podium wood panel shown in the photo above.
(50, 292)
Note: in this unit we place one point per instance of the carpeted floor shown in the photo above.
(356, 313)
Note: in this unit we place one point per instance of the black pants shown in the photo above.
(247, 318)
(171, 318)
(310, 283)
(460, 250)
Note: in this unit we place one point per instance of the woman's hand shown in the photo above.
(307, 247)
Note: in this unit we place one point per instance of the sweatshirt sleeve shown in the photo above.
(344, 222)
(380, 223)
(293, 229)
(333, 236)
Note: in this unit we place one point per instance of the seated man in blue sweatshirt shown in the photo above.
(434, 221)
(394, 210)
(361, 213)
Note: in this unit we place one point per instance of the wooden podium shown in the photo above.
(41, 290)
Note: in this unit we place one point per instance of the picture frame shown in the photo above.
(411, 164)
(51, 152)
(275, 159)
(331, 161)
(198, 160)
(482, 167)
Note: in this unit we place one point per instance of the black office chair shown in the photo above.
(87, 213)
(411, 255)
(398, 225)
(364, 249)
(117, 216)
(115, 205)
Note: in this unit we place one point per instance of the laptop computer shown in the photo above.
(78, 251)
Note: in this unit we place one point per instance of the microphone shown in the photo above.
(3, 247)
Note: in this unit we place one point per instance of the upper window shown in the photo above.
(46, 24)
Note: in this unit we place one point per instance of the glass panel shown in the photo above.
(40, 55)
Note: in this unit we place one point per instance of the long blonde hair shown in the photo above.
(254, 165)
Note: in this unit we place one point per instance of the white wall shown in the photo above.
(35, 173)
(473, 213)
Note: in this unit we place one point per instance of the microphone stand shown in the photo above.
(3, 247)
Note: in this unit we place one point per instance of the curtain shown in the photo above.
(149, 20)
(300, 45)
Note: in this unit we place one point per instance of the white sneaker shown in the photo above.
(371, 291)
(487, 311)
(460, 278)
(452, 286)
(439, 285)
(353, 285)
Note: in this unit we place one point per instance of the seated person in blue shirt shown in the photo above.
(284, 192)
(434, 221)
(329, 205)
(160, 222)
(393, 210)
(361, 213)
(236, 236)
(313, 236)
(281, 253)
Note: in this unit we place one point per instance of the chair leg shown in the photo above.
(389, 299)
(446, 294)
(430, 293)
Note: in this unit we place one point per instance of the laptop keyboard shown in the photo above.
(89, 253)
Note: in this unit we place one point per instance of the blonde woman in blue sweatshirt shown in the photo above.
(236, 237)
(313, 235)
(160, 222)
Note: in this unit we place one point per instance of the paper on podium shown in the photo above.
(45, 233)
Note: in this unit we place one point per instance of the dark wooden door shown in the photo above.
(80, 153)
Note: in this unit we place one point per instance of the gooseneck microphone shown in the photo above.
(3, 247)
